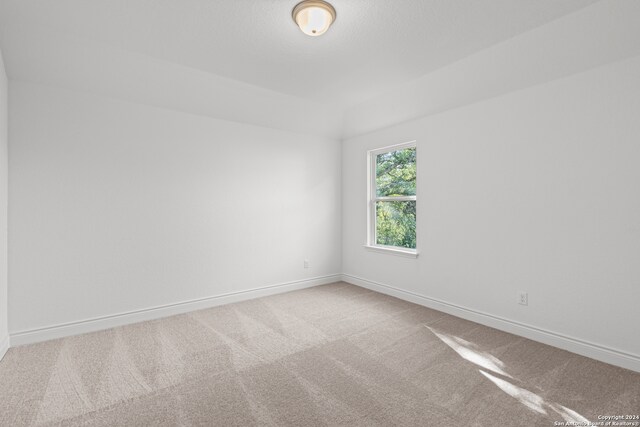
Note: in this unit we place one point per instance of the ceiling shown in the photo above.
(373, 46)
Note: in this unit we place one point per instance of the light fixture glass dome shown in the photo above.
(314, 17)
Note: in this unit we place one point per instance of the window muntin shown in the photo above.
(392, 204)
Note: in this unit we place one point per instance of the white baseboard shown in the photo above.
(106, 322)
(4, 346)
(574, 345)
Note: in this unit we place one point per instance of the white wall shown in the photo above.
(538, 191)
(4, 335)
(116, 206)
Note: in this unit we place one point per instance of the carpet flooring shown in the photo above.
(329, 355)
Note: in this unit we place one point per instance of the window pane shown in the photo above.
(396, 173)
(396, 224)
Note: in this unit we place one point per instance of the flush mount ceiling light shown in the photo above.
(314, 17)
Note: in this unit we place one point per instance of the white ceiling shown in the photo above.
(603, 33)
(373, 46)
(382, 63)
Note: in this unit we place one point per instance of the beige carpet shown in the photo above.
(330, 355)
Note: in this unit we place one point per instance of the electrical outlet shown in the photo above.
(306, 263)
(523, 298)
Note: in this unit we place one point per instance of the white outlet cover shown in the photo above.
(523, 298)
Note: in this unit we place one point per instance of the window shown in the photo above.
(392, 199)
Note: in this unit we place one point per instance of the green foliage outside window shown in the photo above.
(396, 220)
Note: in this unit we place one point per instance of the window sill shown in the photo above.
(407, 253)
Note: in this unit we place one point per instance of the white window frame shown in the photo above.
(372, 198)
